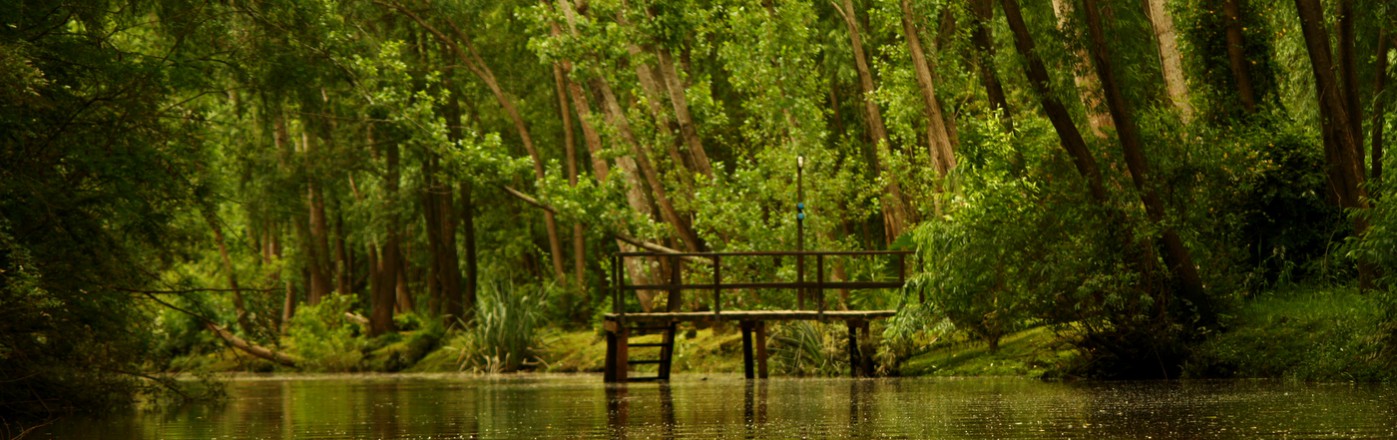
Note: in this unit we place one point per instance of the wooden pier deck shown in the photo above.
(621, 325)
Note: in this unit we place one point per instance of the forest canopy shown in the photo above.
(312, 182)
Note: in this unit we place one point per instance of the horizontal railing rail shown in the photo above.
(804, 288)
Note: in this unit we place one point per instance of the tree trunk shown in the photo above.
(1236, 54)
(404, 301)
(938, 139)
(239, 308)
(617, 117)
(1169, 58)
(687, 128)
(386, 278)
(431, 217)
(1088, 89)
(655, 94)
(1057, 113)
(1177, 255)
(1380, 104)
(465, 309)
(1343, 147)
(321, 284)
(344, 284)
(981, 37)
(896, 217)
(579, 253)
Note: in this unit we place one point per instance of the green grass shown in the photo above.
(1310, 334)
(1028, 353)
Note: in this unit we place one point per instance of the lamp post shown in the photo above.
(800, 231)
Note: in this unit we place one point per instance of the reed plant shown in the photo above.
(503, 335)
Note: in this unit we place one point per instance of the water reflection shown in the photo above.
(731, 407)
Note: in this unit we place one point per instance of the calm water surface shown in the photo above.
(436, 407)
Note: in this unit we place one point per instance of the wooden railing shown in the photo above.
(676, 284)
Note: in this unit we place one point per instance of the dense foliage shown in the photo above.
(347, 185)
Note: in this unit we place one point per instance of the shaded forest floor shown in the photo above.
(1325, 334)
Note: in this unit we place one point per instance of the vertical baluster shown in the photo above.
(717, 284)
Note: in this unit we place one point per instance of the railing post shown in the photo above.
(717, 284)
(676, 277)
(800, 280)
(820, 283)
(902, 268)
(620, 300)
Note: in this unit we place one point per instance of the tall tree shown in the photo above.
(896, 216)
(1170, 60)
(1056, 112)
(981, 37)
(1237, 56)
(1342, 144)
(938, 139)
(1088, 87)
(1177, 255)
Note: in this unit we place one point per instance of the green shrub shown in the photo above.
(322, 336)
(806, 348)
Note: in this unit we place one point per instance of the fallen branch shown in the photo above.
(232, 339)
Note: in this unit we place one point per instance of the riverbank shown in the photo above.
(1307, 334)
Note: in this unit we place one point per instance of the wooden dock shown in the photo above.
(620, 325)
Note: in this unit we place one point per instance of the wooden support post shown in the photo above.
(853, 348)
(761, 349)
(609, 370)
(747, 369)
(623, 356)
(667, 352)
(613, 342)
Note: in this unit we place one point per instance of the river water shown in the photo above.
(694, 406)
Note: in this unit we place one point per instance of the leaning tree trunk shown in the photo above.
(244, 323)
(1348, 73)
(579, 254)
(1169, 58)
(1056, 111)
(981, 37)
(896, 217)
(1088, 89)
(687, 127)
(1343, 146)
(1177, 255)
(938, 138)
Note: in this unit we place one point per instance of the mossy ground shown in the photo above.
(1029, 353)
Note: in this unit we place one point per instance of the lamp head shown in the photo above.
(800, 161)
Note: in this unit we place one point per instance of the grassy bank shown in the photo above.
(1310, 334)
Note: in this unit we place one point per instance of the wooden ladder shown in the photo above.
(618, 350)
